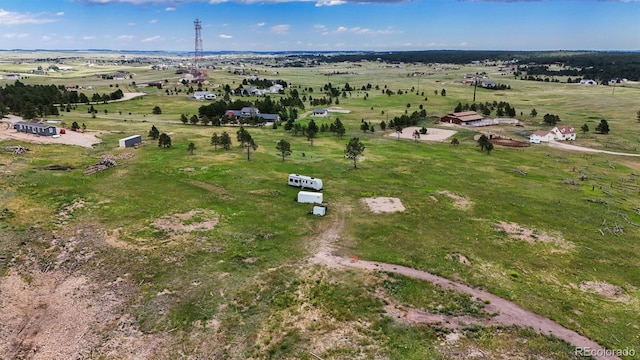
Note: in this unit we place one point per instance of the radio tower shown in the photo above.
(197, 56)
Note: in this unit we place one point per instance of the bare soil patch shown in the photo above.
(605, 289)
(384, 204)
(432, 134)
(194, 220)
(459, 202)
(517, 231)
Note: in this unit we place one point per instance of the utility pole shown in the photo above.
(475, 85)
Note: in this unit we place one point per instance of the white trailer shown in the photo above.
(309, 197)
(305, 182)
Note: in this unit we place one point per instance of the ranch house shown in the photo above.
(320, 112)
(35, 128)
(559, 133)
(564, 132)
(540, 136)
(252, 112)
(588, 82)
(204, 95)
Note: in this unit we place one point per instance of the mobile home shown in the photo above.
(309, 197)
(305, 182)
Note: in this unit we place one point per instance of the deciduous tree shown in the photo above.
(284, 148)
(354, 149)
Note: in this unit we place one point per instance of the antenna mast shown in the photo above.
(198, 54)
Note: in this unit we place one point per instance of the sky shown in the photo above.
(321, 25)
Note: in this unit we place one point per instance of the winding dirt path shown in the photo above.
(508, 312)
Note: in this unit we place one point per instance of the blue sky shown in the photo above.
(321, 25)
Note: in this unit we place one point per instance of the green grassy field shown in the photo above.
(249, 272)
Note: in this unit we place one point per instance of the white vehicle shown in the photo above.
(309, 197)
(305, 182)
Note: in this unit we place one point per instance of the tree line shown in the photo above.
(31, 101)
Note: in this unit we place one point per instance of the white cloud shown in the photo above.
(15, 36)
(261, 24)
(125, 37)
(45, 38)
(131, 24)
(329, 2)
(280, 29)
(153, 21)
(87, 38)
(170, 8)
(153, 38)
(365, 31)
(15, 18)
(225, 36)
(60, 13)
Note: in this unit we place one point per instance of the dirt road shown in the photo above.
(565, 146)
(508, 312)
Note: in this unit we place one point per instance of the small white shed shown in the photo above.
(130, 141)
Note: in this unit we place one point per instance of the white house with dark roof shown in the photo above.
(320, 112)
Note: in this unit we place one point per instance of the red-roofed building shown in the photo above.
(559, 133)
(462, 118)
(540, 136)
(564, 132)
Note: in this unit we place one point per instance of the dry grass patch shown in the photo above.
(459, 258)
(605, 289)
(519, 232)
(459, 202)
(194, 220)
(384, 204)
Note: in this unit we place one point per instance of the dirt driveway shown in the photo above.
(565, 146)
(432, 134)
(508, 313)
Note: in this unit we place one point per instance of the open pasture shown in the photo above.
(554, 231)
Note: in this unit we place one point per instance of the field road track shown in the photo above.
(563, 146)
(508, 312)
